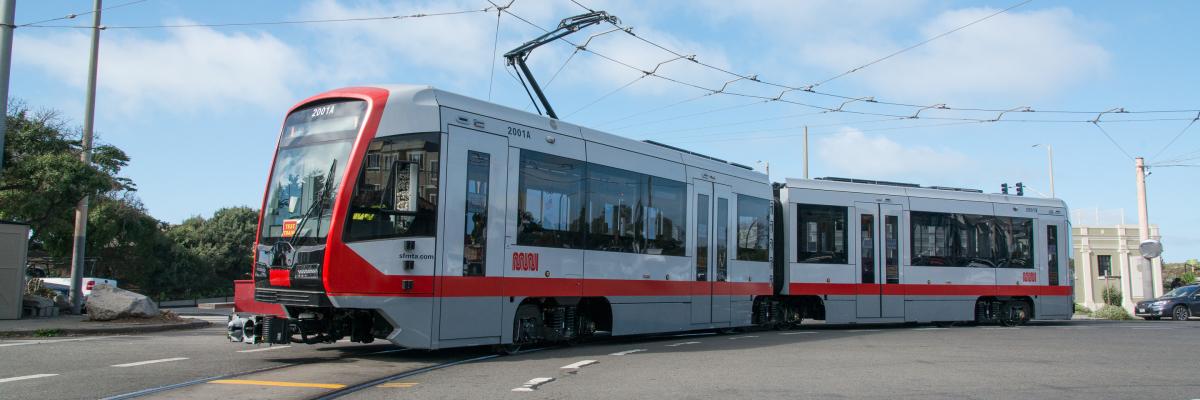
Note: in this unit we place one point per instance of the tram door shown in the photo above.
(879, 246)
(473, 247)
(710, 290)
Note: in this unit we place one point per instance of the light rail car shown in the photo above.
(434, 220)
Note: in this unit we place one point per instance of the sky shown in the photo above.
(198, 109)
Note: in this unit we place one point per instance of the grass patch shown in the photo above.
(47, 332)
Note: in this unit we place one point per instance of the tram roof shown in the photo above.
(914, 190)
(421, 94)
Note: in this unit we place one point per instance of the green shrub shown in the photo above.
(1111, 296)
(1080, 309)
(1112, 312)
(1188, 278)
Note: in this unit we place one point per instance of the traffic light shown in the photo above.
(1003, 188)
(1020, 189)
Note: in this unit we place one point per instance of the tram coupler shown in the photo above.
(258, 329)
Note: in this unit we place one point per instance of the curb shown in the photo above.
(192, 324)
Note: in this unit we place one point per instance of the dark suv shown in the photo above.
(1178, 304)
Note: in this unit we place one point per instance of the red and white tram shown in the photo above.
(434, 220)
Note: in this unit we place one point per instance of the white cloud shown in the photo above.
(854, 154)
(1017, 55)
(181, 70)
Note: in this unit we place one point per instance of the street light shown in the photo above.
(1050, 158)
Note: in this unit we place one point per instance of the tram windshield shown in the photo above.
(313, 153)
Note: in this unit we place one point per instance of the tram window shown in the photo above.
(475, 239)
(1020, 242)
(722, 238)
(400, 197)
(867, 248)
(1003, 236)
(891, 253)
(550, 201)
(1052, 251)
(974, 240)
(617, 203)
(753, 228)
(666, 218)
(822, 234)
(931, 239)
(701, 237)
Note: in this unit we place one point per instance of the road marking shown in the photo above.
(626, 352)
(796, 333)
(21, 378)
(1000, 328)
(263, 349)
(742, 337)
(1152, 328)
(134, 364)
(533, 384)
(929, 329)
(403, 385)
(48, 341)
(277, 383)
(864, 330)
(579, 365)
(681, 344)
(694, 334)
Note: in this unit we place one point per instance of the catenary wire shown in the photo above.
(1114, 141)
(79, 14)
(1177, 136)
(267, 23)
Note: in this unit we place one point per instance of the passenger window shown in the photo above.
(821, 235)
(867, 248)
(722, 239)
(396, 194)
(891, 253)
(754, 229)
(1052, 252)
(617, 204)
(701, 237)
(550, 201)
(475, 245)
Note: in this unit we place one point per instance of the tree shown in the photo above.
(222, 245)
(43, 178)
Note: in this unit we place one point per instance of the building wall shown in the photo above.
(1120, 243)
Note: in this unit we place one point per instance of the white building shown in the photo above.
(1103, 256)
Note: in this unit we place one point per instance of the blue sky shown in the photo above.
(198, 109)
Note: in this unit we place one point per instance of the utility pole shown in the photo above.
(806, 152)
(81, 210)
(8, 11)
(1144, 231)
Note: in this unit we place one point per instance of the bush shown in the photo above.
(1112, 312)
(1188, 278)
(1080, 309)
(1111, 296)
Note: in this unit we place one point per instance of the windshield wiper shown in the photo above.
(317, 206)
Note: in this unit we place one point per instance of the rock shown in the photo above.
(107, 303)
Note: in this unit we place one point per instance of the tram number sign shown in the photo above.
(525, 261)
(1029, 276)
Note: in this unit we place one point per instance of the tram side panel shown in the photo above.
(939, 285)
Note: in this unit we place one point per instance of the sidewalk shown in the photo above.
(70, 325)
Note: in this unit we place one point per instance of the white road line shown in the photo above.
(864, 330)
(21, 378)
(48, 341)
(579, 365)
(742, 337)
(134, 364)
(998, 328)
(681, 344)
(263, 349)
(627, 352)
(796, 333)
(929, 329)
(533, 384)
(1151, 328)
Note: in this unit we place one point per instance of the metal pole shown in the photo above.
(1144, 228)
(1050, 157)
(81, 210)
(8, 11)
(806, 152)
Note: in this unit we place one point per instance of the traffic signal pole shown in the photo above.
(8, 11)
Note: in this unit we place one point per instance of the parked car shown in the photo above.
(1178, 304)
(88, 283)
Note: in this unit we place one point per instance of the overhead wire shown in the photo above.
(268, 23)
(1177, 136)
(80, 14)
(1114, 141)
(891, 128)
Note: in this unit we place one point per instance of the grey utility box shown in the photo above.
(14, 241)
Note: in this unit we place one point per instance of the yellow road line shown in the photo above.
(398, 385)
(276, 383)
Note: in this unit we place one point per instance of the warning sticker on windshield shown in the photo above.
(289, 227)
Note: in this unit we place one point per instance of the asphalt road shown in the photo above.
(1077, 359)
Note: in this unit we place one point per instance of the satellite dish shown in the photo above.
(1150, 248)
